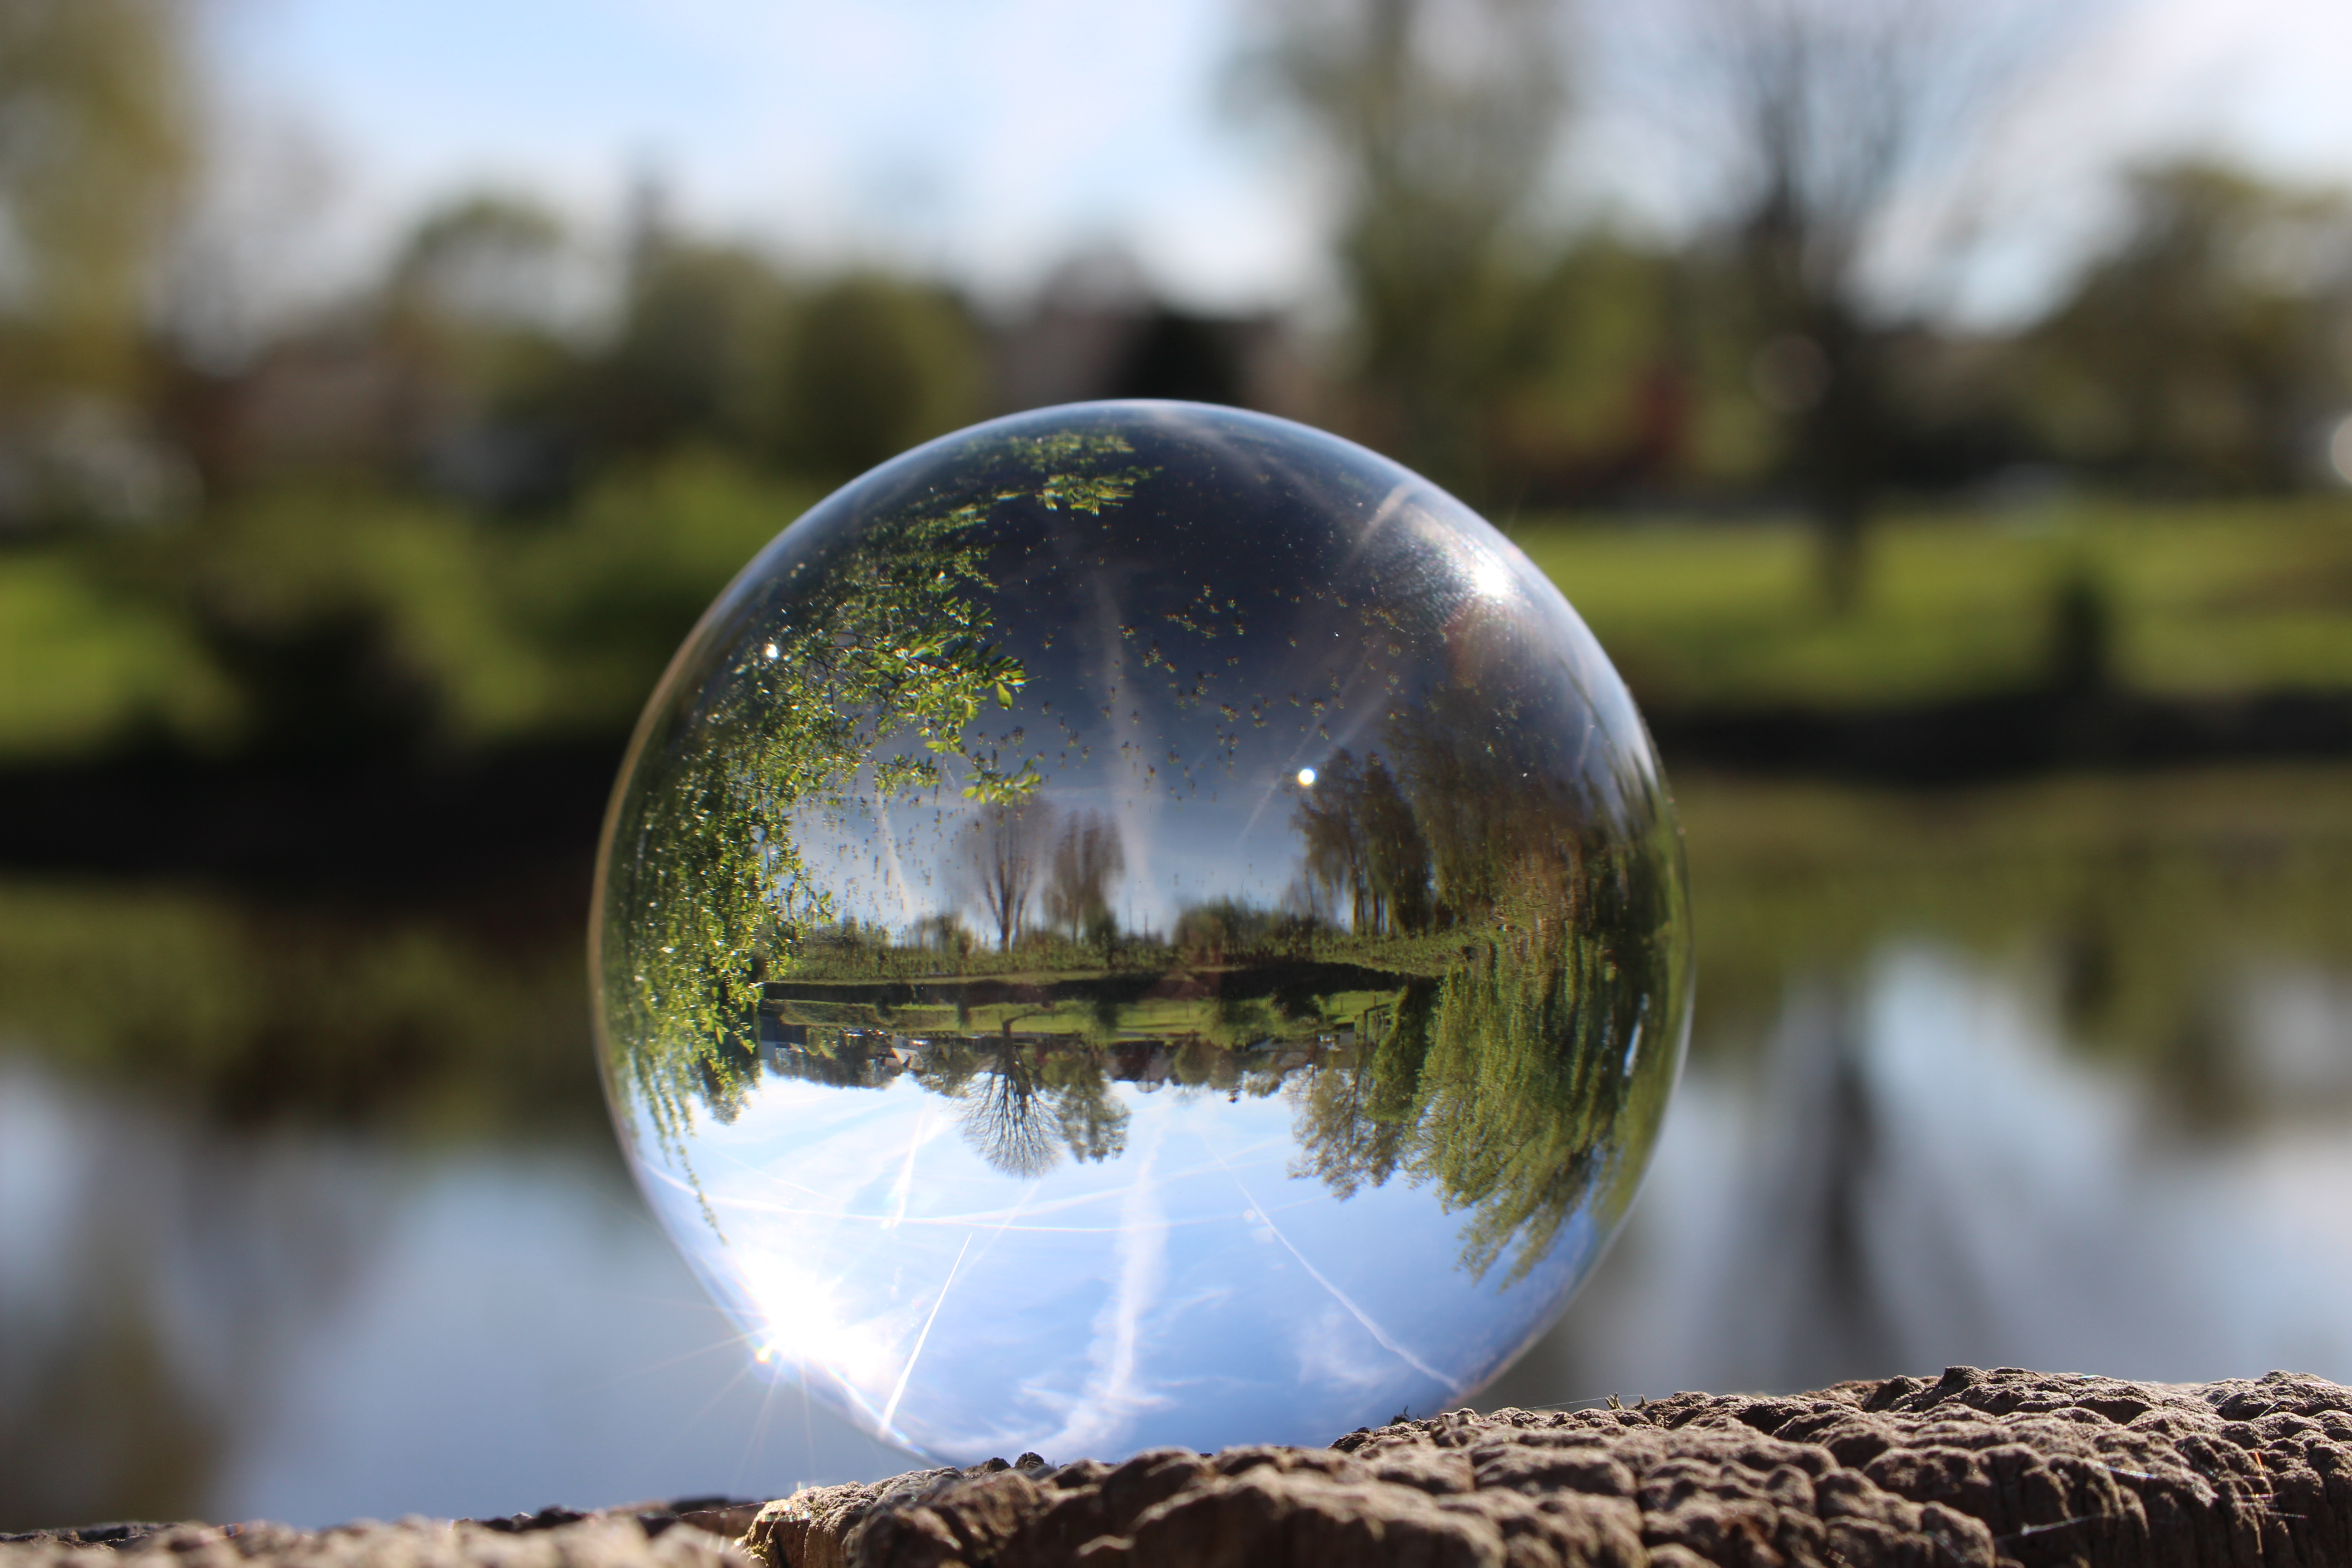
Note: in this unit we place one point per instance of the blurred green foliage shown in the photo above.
(1524, 354)
(825, 376)
(294, 611)
(1438, 145)
(93, 665)
(97, 145)
(495, 364)
(413, 621)
(2208, 348)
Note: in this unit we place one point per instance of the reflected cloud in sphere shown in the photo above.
(1140, 923)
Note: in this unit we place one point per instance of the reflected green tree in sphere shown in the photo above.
(1139, 923)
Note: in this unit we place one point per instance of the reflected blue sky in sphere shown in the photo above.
(1140, 923)
(1193, 1292)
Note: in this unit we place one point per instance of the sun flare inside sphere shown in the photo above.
(1135, 925)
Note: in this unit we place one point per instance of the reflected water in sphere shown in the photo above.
(1140, 923)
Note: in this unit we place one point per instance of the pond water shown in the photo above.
(1955, 1096)
(1917, 1171)
(314, 1327)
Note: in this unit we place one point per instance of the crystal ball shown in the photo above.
(1139, 923)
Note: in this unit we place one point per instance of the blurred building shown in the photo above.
(1096, 330)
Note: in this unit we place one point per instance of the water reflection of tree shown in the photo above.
(1363, 846)
(1353, 1121)
(1004, 1122)
(1088, 859)
(1026, 1106)
(1513, 1083)
(1005, 849)
(1090, 1118)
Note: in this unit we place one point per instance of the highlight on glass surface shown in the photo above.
(1139, 923)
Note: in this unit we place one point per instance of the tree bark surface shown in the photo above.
(1972, 1469)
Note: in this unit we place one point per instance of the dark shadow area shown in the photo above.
(2007, 735)
(411, 829)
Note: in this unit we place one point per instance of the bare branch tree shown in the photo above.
(1834, 123)
(1004, 1121)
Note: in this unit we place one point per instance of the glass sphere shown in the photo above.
(1139, 923)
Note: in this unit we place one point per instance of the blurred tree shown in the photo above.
(691, 355)
(1007, 849)
(1361, 843)
(1440, 117)
(475, 304)
(2206, 346)
(245, 253)
(1088, 859)
(1831, 121)
(871, 366)
(1612, 384)
(239, 280)
(487, 257)
(97, 143)
(717, 344)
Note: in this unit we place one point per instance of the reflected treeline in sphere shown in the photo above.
(1140, 923)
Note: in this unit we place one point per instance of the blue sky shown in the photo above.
(987, 138)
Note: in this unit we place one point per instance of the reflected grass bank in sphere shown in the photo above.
(1139, 923)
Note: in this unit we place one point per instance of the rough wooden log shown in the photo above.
(1980, 1468)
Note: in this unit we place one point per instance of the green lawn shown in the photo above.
(522, 628)
(2209, 598)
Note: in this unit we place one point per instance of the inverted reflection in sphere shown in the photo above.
(1135, 925)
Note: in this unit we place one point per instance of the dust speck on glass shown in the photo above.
(1139, 923)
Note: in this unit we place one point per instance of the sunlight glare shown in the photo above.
(1490, 575)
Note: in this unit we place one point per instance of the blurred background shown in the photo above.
(1942, 412)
